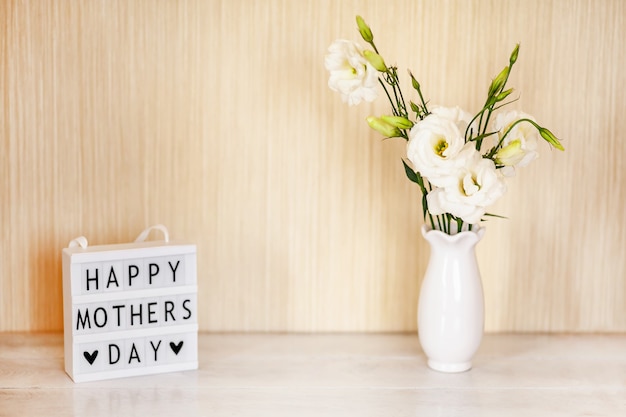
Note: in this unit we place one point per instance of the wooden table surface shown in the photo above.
(330, 375)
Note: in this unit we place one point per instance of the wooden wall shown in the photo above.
(214, 118)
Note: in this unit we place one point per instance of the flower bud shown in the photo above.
(550, 138)
(364, 30)
(376, 60)
(511, 154)
(383, 127)
(514, 54)
(498, 82)
(414, 82)
(504, 94)
(397, 121)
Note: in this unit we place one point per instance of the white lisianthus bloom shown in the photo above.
(519, 147)
(351, 75)
(477, 185)
(437, 145)
(459, 116)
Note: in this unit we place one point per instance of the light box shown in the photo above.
(129, 309)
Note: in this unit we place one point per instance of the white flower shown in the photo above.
(459, 116)
(351, 75)
(519, 146)
(437, 146)
(477, 185)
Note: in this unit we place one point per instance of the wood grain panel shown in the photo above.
(214, 118)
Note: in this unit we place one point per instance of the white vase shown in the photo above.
(450, 314)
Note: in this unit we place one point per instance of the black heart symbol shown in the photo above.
(91, 357)
(176, 347)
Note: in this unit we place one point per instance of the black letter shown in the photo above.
(111, 361)
(155, 348)
(133, 315)
(112, 274)
(133, 274)
(119, 321)
(185, 307)
(174, 270)
(134, 354)
(95, 317)
(80, 320)
(91, 278)
(151, 312)
(151, 273)
(169, 307)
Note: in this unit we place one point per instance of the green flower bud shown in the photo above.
(383, 127)
(511, 154)
(498, 82)
(550, 138)
(376, 60)
(397, 121)
(514, 54)
(504, 94)
(414, 82)
(366, 32)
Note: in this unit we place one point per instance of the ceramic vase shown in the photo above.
(451, 304)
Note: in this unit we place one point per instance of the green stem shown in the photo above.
(459, 225)
(469, 125)
(419, 92)
(480, 141)
(432, 222)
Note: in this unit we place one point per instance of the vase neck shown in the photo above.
(464, 239)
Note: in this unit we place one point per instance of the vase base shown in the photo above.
(448, 367)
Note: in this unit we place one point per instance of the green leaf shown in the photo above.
(494, 215)
(412, 175)
(417, 178)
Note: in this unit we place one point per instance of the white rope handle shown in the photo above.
(143, 235)
(79, 241)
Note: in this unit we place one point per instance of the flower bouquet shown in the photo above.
(459, 161)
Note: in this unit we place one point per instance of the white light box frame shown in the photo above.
(129, 309)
